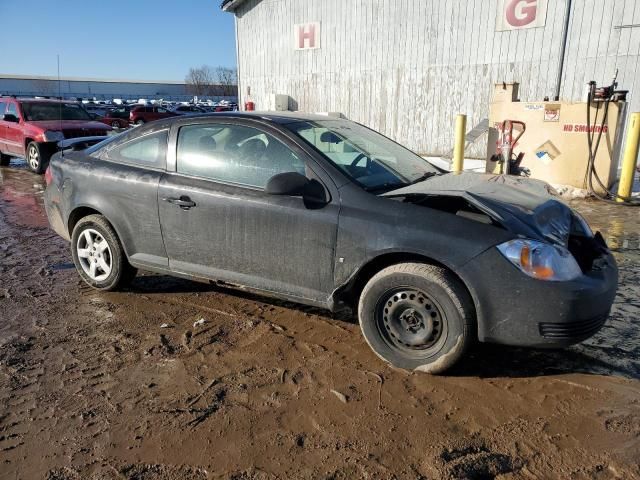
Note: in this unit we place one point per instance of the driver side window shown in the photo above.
(234, 154)
(12, 109)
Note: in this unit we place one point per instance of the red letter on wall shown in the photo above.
(527, 14)
(307, 32)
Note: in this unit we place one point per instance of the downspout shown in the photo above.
(235, 23)
(565, 34)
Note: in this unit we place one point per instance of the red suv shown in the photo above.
(144, 114)
(32, 128)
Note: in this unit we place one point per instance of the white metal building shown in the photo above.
(406, 67)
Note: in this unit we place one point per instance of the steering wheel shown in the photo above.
(360, 157)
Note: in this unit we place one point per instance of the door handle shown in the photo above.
(183, 202)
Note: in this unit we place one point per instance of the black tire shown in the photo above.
(115, 124)
(417, 316)
(4, 160)
(37, 157)
(120, 273)
(140, 121)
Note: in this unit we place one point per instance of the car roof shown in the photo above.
(281, 118)
(276, 117)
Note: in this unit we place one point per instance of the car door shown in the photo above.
(3, 128)
(13, 133)
(218, 221)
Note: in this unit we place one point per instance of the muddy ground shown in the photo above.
(93, 387)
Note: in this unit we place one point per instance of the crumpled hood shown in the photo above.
(524, 206)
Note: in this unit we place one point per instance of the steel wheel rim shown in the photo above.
(33, 158)
(94, 255)
(411, 321)
(115, 124)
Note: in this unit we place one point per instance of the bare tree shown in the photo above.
(227, 80)
(200, 81)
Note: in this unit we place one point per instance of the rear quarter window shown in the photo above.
(146, 151)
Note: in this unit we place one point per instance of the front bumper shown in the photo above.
(514, 309)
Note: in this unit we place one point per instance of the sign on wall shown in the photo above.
(306, 36)
(519, 14)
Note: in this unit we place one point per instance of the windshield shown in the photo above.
(375, 162)
(34, 111)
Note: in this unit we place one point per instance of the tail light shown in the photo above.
(48, 178)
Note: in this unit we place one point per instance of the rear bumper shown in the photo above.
(514, 309)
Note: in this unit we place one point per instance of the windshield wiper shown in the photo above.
(423, 177)
(385, 187)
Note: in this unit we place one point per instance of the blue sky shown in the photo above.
(138, 39)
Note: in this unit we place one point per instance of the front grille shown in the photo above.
(572, 329)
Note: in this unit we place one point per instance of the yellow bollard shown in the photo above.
(458, 146)
(630, 157)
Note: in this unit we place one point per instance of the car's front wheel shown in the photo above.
(417, 317)
(98, 254)
(37, 157)
(140, 121)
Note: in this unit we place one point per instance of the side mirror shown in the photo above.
(289, 183)
(294, 184)
(10, 117)
(330, 137)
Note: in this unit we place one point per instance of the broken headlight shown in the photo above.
(541, 260)
(580, 225)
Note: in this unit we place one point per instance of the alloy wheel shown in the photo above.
(33, 157)
(94, 255)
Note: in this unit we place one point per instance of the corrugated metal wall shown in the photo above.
(406, 67)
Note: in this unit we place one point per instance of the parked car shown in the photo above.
(117, 117)
(327, 212)
(187, 110)
(143, 114)
(31, 128)
(98, 109)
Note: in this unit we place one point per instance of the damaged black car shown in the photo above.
(326, 212)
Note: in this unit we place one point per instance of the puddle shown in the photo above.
(21, 193)
(617, 344)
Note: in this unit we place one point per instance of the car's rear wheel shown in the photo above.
(4, 160)
(37, 157)
(417, 317)
(115, 124)
(98, 254)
